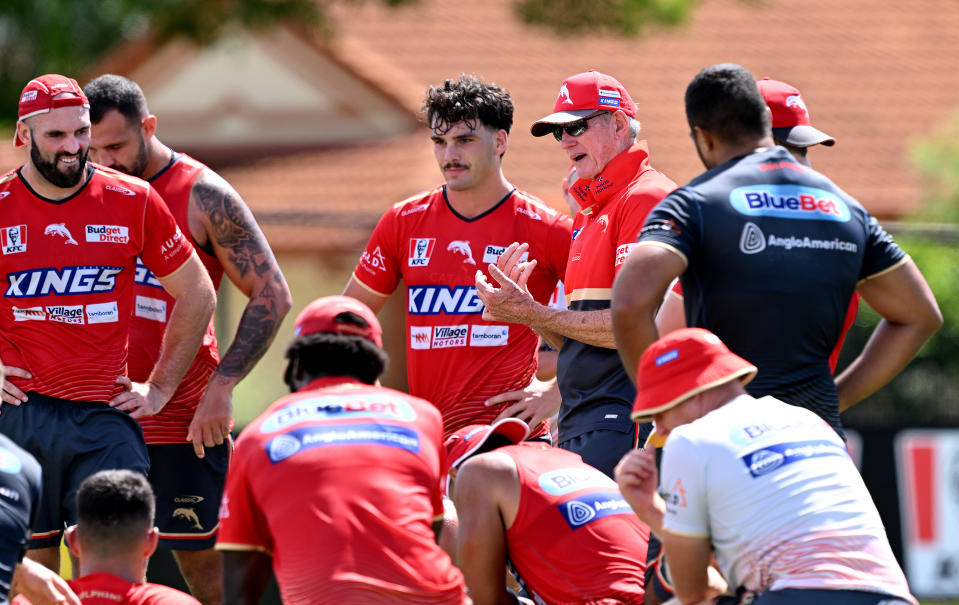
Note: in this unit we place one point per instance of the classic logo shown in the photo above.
(449, 336)
(530, 213)
(118, 189)
(4, 194)
(189, 499)
(415, 209)
(564, 94)
(437, 300)
(69, 280)
(112, 234)
(789, 201)
(374, 259)
(421, 337)
(489, 336)
(150, 308)
(421, 249)
(102, 313)
(14, 239)
(462, 247)
(752, 240)
(492, 253)
(60, 230)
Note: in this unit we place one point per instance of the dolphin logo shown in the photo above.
(60, 229)
(564, 94)
(462, 247)
(796, 101)
(187, 514)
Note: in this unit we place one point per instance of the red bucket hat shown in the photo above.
(320, 317)
(582, 95)
(38, 97)
(681, 365)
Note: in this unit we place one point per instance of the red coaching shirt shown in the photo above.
(67, 270)
(575, 539)
(340, 482)
(108, 589)
(152, 309)
(454, 358)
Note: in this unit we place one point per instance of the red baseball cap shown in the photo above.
(681, 365)
(790, 115)
(38, 97)
(466, 441)
(320, 317)
(582, 95)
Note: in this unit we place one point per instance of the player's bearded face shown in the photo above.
(53, 171)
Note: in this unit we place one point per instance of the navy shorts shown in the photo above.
(188, 492)
(603, 448)
(71, 440)
(802, 596)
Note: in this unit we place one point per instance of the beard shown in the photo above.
(48, 168)
(140, 163)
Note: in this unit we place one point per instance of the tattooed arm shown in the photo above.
(221, 221)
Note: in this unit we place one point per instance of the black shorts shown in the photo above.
(71, 440)
(188, 492)
(603, 448)
(656, 579)
(802, 596)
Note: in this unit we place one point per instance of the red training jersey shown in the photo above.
(454, 358)
(67, 268)
(152, 310)
(340, 483)
(574, 539)
(108, 589)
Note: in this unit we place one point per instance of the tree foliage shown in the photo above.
(625, 17)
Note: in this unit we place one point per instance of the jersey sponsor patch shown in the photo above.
(530, 213)
(488, 336)
(171, 246)
(565, 480)
(150, 308)
(373, 261)
(85, 279)
(336, 407)
(102, 313)
(421, 249)
(145, 277)
(421, 337)
(587, 508)
(752, 240)
(450, 336)
(29, 314)
(14, 239)
(109, 234)
(492, 253)
(60, 231)
(789, 201)
(68, 314)
(462, 247)
(437, 300)
(121, 190)
(772, 457)
(298, 440)
(622, 253)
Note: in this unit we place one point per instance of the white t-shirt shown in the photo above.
(773, 488)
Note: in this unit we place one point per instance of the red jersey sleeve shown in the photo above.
(380, 265)
(165, 248)
(630, 221)
(559, 239)
(242, 524)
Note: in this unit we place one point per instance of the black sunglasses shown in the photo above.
(574, 129)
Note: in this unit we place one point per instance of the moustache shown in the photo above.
(453, 165)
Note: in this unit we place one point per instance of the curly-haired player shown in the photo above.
(435, 241)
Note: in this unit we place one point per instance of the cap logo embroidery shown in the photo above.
(667, 357)
(609, 93)
(30, 95)
(564, 93)
(796, 101)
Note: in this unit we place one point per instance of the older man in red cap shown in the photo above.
(594, 122)
(71, 237)
(561, 525)
(765, 486)
(338, 484)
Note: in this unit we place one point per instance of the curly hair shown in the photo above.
(468, 99)
(328, 354)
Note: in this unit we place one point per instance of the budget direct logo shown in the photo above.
(492, 253)
(111, 234)
(789, 201)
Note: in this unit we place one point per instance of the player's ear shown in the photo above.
(153, 538)
(73, 540)
(148, 126)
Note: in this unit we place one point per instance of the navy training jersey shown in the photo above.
(774, 251)
(19, 501)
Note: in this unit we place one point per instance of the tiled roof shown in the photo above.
(875, 74)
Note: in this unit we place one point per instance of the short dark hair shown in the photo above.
(115, 509)
(327, 354)
(468, 100)
(725, 100)
(111, 91)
